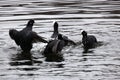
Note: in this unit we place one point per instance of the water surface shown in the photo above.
(98, 17)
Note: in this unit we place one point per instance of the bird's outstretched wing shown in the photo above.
(69, 40)
(14, 34)
(37, 38)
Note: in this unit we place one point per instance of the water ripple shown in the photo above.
(97, 17)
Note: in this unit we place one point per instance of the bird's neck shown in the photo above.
(55, 31)
(84, 36)
(29, 26)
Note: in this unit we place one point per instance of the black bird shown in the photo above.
(26, 37)
(89, 41)
(56, 32)
(53, 49)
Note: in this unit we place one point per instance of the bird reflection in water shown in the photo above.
(60, 65)
(85, 54)
(23, 58)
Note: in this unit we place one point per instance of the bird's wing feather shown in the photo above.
(14, 34)
(37, 38)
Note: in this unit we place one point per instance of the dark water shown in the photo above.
(98, 17)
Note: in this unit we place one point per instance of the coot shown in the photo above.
(53, 49)
(89, 41)
(26, 37)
